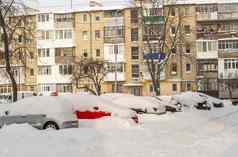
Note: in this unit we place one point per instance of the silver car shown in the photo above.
(40, 112)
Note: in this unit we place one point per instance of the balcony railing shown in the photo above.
(207, 16)
(114, 21)
(154, 19)
(64, 59)
(228, 15)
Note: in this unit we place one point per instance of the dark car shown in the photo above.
(203, 106)
(170, 108)
(218, 104)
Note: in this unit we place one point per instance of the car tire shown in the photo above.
(51, 125)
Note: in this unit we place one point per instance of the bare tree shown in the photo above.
(159, 41)
(89, 73)
(16, 33)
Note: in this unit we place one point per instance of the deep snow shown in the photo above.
(191, 133)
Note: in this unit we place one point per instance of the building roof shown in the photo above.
(59, 6)
(198, 1)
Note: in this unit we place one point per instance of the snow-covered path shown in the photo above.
(191, 133)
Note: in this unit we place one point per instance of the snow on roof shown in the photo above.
(199, 1)
(59, 6)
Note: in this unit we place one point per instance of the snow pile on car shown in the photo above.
(107, 123)
(39, 105)
(88, 102)
(148, 104)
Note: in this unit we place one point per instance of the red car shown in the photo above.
(92, 114)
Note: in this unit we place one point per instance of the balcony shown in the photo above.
(228, 16)
(114, 21)
(111, 76)
(207, 16)
(64, 59)
(154, 19)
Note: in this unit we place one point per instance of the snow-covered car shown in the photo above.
(140, 104)
(95, 107)
(189, 99)
(171, 105)
(41, 112)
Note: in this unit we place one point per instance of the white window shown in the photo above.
(207, 46)
(44, 70)
(63, 34)
(66, 69)
(228, 45)
(44, 52)
(231, 64)
(85, 35)
(45, 35)
(43, 17)
(45, 87)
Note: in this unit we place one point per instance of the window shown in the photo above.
(64, 88)
(43, 17)
(45, 35)
(44, 70)
(174, 87)
(135, 71)
(208, 67)
(62, 18)
(187, 11)
(64, 52)
(66, 69)
(63, 34)
(44, 52)
(134, 16)
(231, 64)
(85, 18)
(85, 35)
(20, 38)
(98, 53)
(189, 86)
(119, 88)
(111, 67)
(134, 53)
(188, 67)
(31, 72)
(134, 34)
(173, 11)
(173, 68)
(173, 30)
(97, 34)
(114, 33)
(85, 53)
(187, 29)
(207, 46)
(228, 45)
(116, 49)
(188, 49)
(97, 18)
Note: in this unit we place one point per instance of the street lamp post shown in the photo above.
(115, 53)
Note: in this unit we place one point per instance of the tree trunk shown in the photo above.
(7, 58)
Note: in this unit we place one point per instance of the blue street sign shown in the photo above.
(155, 55)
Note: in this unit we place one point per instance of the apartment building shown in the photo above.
(22, 55)
(55, 52)
(180, 70)
(217, 49)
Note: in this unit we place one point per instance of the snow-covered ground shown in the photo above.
(191, 133)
